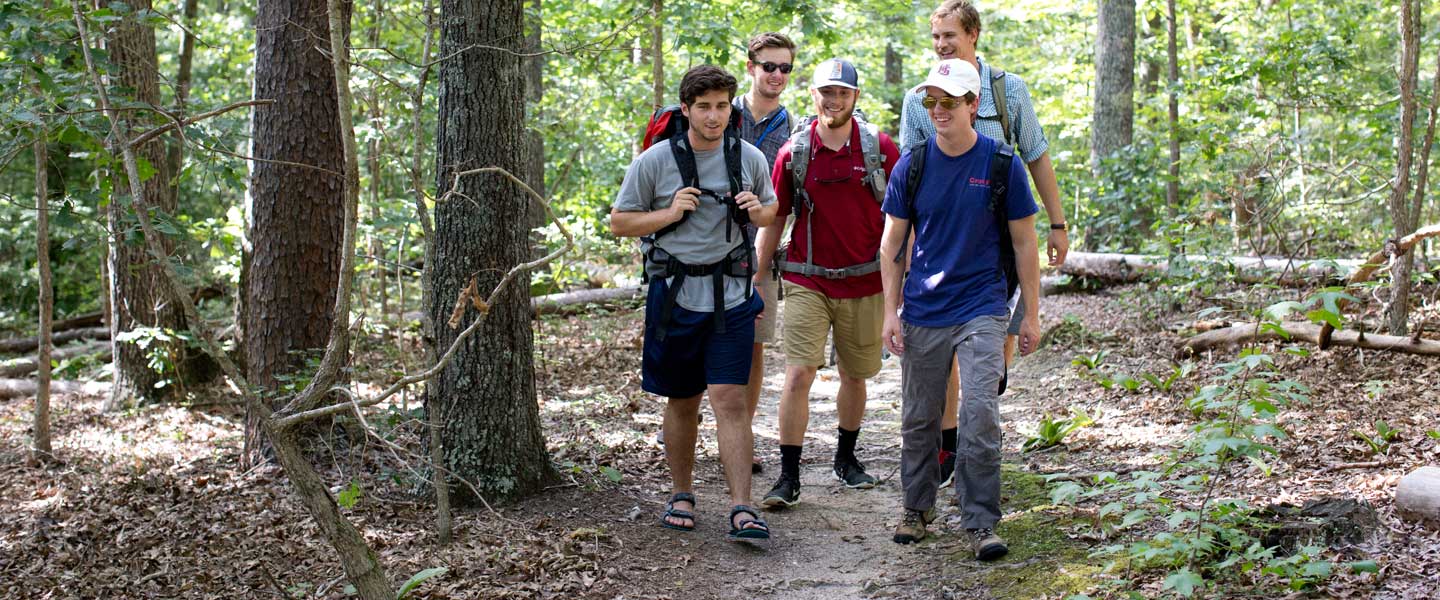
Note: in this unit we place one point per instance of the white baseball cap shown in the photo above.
(954, 76)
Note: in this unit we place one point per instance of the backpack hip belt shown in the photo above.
(662, 265)
(810, 269)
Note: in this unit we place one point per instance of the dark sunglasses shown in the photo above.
(947, 103)
(770, 67)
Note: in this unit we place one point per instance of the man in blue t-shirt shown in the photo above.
(955, 304)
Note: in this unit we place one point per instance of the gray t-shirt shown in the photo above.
(650, 184)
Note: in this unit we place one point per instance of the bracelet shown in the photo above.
(1059, 226)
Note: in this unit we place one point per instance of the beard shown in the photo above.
(837, 121)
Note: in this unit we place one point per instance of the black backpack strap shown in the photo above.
(1000, 165)
(914, 171)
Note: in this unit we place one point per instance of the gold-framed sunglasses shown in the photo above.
(947, 103)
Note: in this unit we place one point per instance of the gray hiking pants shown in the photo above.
(925, 368)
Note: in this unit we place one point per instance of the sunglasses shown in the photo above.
(770, 67)
(947, 103)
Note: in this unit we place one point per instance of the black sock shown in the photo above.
(846, 451)
(947, 439)
(790, 462)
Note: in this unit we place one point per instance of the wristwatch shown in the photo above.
(1060, 226)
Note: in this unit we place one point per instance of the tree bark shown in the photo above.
(183, 78)
(1172, 186)
(1400, 216)
(296, 214)
(40, 429)
(1244, 333)
(657, 52)
(1114, 119)
(486, 396)
(137, 297)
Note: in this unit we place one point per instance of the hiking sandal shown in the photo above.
(674, 513)
(747, 529)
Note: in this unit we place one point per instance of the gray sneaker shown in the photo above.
(987, 545)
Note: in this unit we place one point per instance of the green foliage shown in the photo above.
(163, 347)
(1181, 525)
(348, 497)
(417, 579)
(1379, 443)
(1051, 432)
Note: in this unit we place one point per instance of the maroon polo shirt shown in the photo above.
(848, 221)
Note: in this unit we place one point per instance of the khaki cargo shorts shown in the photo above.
(765, 328)
(809, 317)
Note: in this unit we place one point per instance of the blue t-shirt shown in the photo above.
(955, 273)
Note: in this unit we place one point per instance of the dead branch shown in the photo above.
(288, 418)
(1131, 267)
(28, 364)
(22, 388)
(156, 132)
(15, 345)
(1244, 333)
(1378, 260)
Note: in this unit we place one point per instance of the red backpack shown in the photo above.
(667, 121)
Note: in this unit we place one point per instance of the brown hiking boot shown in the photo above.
(911, 528)
(987, 545)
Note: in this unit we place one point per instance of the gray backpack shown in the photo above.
(801, 152)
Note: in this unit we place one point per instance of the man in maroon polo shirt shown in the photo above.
(832, 175)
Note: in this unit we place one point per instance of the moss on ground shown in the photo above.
(1043, 561)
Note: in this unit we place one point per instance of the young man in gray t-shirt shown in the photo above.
(698, 337)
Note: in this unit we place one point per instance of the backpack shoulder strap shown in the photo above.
(914, 171)
(874, 159)
(800, 154)
(1000, 165)
(733, 163)
(997, 89)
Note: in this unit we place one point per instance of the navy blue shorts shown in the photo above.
(693, 355)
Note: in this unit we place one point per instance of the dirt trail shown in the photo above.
(836, 542)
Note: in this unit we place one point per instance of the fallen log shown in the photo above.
(21, 388)
(1371, 266)
(1418, 494)
(570, 302)
(1242, 333)
(86, 320)
(17, 345)
(23, 366)
(1126, 268)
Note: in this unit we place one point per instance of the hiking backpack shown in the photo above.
(801, 152)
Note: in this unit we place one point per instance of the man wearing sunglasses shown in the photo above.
(954, 33)
(831, 174)
(955, 300)
(765, 123)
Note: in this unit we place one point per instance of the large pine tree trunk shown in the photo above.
(486, 396)
(296, 213)
(137, 296)
(1114, 121)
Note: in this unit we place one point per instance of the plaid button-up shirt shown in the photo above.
(1026, 133)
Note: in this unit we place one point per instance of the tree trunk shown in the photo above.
(534, 175)
(657, 52)
(182, 83)
(1114, 121)
(137, 297)
(40, 436)
(296, 214)
(1400, 217)
(486, 396)
(377, 173)
(1172, 185)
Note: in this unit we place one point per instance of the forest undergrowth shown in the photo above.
(154, 502)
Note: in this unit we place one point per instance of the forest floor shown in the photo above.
(153, 503)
